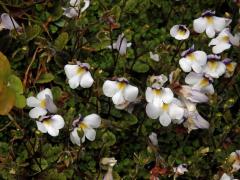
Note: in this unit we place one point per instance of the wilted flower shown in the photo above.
(110, 162)
(79, 75)
(154, 57)
(50, 124)
(194, 119)
(210, 23)
(7, 22)
(224, 41)
(179, 32)
(74, 10)
(214, 67)
(192, 59)
(166, 112)
(180, 169)
(161, 79)
(121, 45)
(84, 126)
(200, 82)
(128, 106)
(230, 67)
(120, 91)
(41, 104)
(157, 95)
(153, 138)
(235, 160)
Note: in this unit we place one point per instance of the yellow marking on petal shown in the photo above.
(83, 126)
(181, 32)
(204, 82)
(212, 65)
(191, 56)
(165, 107)
(121, 85)
(209, 19)
(47, 122)
(80, 71)
(157, 91)
(43, 104)
(225, 39)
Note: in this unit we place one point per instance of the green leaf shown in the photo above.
(16, 84)
(32, 32)
(20, 101)
(45, 78)
(109, 138)
(140, 67)
(61, 41)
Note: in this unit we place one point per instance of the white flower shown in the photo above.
(230, 67)
(235, 160)
(75, 9)
(227, 177)
(154, 57)
(166, 112)
(214, 67)
(194, 119)
(224, 41)
(153, 138)
(193, 60)
(8, 22)
(200, 82)
(86, 126)
(128, 106)
(120, 91)
(50, 124)
(121, 45)
(110, 162)
(179, 32)
(180, 169)
(210, 23)
(41, 104)
(79, 75)
(157, 95)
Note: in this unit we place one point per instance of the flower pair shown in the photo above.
(42, 104)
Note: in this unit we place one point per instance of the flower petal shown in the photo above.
(110, 88)
(185, 64)
(165, 119)
(220, 23)
(50, 106)
(92, 120)
(86, 80)
(130, 93)
(8, 22)
(86, 5)
(75, 138)
(74, 81)
(153, 111)
(199, 25)
(193, 78)
(71, 70)
(42, 94)
(70, 12)
(210, 31)
(167, 95)
(197, 68)
(37, 112)
(149, 95)
(90, 133)
(41, 127)
(219, 48)
(33, 102)
(176, 112)
(201, 57)
(118, 98)
(57, 122)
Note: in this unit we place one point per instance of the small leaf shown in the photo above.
(45, 78)
(140, 67)
(61, 41)
(32, 32)
(20, 101)
(109, 138)
(15, 83)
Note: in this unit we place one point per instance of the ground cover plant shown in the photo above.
(120, 89)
